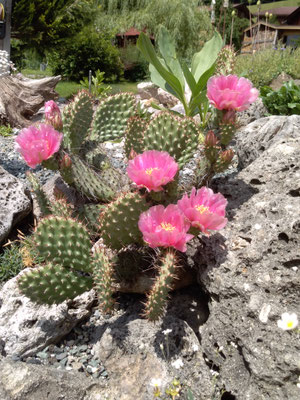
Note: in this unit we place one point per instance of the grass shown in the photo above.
(68, 88)
(11, 262)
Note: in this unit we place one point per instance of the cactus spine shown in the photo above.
(157, 298)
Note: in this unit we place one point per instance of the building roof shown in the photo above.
(276, 27)
(131, 32)
(278, 12)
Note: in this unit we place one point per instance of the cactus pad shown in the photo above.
(77, 118)
(177, 136)
(119, 221)
(110, 119)
(64, 241)
(52, 284)
(134, 139)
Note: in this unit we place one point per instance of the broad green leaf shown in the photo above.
(204, 78)
(158, 80)
(167, 49)
(203, 60)
(197, 101)
(189, 79)
(145, 46)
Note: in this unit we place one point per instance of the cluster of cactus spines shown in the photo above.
(64, 241)
(53, 283)
(177, 136)
(227, 131)
(157, 298)
(61, 208)
(103, 274)
(40, 195)
(77, 118)
(89, 215)
(226, 61)
(134, 137)
(103, 186)
(119, 221)
(110, 118)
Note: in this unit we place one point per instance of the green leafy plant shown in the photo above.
(171, 75)
(5, 130)
(285, 101)
(98, 88)
(11, 262)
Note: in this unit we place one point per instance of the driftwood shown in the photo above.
(21, 98)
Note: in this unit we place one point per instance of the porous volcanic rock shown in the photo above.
(27, 327)
(15, 202)
(251, 269)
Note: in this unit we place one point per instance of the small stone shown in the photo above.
(82, 348)
(70, 342)
(104, 374)
(90, 369)
(77, 366)
(15, 357)
(42, 355)
(61, 356)
(63, 362)
(32, 360)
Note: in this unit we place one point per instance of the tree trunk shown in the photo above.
(21, 98)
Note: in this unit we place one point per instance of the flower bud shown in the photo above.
(53, 115)
(210, 139)
(66, 162)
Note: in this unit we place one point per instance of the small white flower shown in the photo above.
(195, 348)
(298, 384)
(221, 348)
(177, 363)
(167, 331)
(156, 382)
(287, 321)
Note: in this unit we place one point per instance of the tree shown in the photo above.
(42, 24)
(187, 23)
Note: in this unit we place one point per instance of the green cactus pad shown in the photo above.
(64, 241)
(177, 136)
(40, 195)
(110, 119)
(103, 186)
(119, 221)
(89, 214)
(77, 118)
(157, 298)
(134, 139)
(60, 208)
(103, 279)
(53, 284)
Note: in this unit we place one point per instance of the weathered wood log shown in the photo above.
(21, 98)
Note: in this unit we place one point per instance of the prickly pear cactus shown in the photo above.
(134, 136)
(77, 118)
(110, 119)
(226, 61)
(119, 221)
(177, 136)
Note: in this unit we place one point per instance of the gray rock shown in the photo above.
(146, 90)
(15, 202)
(20, 381)
(131, 350)
(256, 111)
(27, 327)
(255, 138)
(166, 98)
(251, 269)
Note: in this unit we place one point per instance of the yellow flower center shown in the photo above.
(150, 170)
(201, 208)
(290, 324)
(167, 226)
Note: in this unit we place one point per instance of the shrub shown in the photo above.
(10, 263)
(136, 68)
(262, 67)
(89, 50)
(285, 101)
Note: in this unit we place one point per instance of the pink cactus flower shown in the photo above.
(231, 92)
(53, 115)
(204, 209)
(38, 143)
(165, 227)
(152, 169)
